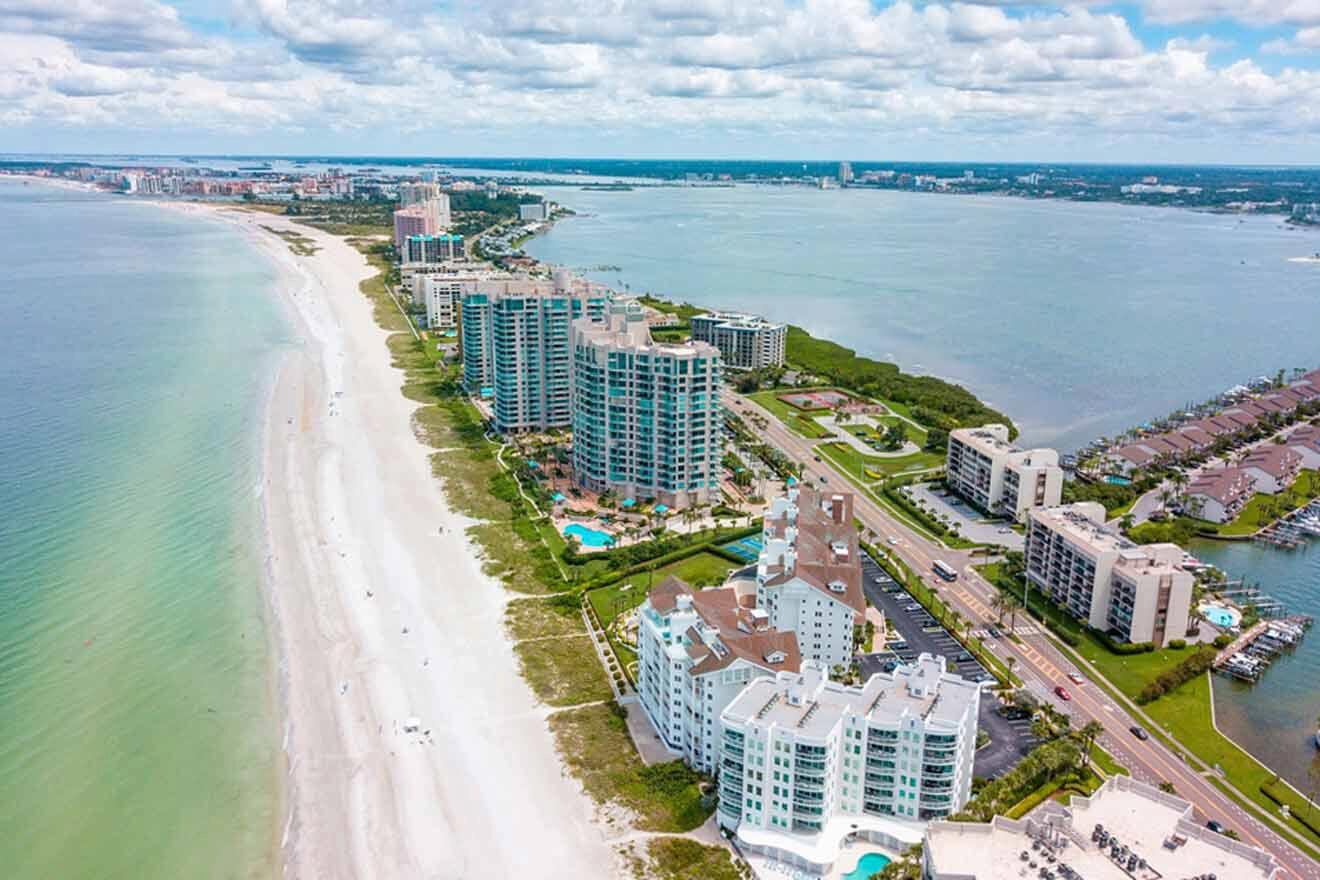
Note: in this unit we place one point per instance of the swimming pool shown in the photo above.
(871, 863)
(1220, 616)
(1118, 481)
(589, 537)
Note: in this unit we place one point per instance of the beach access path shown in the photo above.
(383, 615)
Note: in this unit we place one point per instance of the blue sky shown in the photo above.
(1149, 80)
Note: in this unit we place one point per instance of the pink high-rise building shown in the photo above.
(413, 220)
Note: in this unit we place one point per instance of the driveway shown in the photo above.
(1009, 740)
(969, 519)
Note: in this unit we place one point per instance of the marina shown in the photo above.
(1251, 653)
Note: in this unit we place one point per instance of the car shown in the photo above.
(964, 657)
(1139, 732)
(879, 580)
(993, 631)
(1075, 678)
(893, 541)
(1062, 693)
(1216, 827)
(823, 479)
(816, 457)
(1005, 531)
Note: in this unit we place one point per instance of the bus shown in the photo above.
(944, 570)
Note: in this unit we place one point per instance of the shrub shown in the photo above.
(1177, 644)
(1223, 640)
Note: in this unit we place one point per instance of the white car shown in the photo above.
(893, 541)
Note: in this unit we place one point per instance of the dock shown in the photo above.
(1252, 652)
(1294, 529)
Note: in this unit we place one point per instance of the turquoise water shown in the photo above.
(589, 537)
(1275, 718)
(747, 549)
(1219, 616)
(1116, 480)
(871, 863)
(1076, 319)
(138, 736)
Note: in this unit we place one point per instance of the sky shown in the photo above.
(1224, 81)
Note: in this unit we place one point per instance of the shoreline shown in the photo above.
(379, 802)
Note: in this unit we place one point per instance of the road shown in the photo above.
(1039, 663)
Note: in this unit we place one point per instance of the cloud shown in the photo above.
(1251, 12)
(790, 69)
(1304, 41)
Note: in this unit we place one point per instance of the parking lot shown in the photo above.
(913, 631)
(971, 524)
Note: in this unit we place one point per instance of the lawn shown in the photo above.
(600, 754)
(798, 420)
(869, 468)
(703, 569)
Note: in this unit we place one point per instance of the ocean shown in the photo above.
(1077, 320)
(139, 734)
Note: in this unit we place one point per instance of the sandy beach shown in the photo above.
(381, 617)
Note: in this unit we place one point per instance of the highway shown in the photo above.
(1039, 664)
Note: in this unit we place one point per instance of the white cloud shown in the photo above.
(963, 70)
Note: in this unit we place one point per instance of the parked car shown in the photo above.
(1139, 732)
(1061, 693)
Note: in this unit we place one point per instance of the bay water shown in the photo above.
(139, 732)
(1076, 320)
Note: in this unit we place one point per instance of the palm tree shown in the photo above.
(1012, 603)
(999, 604)
(1090, 733)
(1010, 661)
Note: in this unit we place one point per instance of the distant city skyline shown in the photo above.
(1185, 81)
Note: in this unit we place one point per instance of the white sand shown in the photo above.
(351, 506)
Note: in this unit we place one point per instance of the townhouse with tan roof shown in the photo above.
(1219, 495)
(1274, 467)
(1305, 441)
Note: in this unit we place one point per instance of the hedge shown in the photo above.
(1196, 664)
(1279, 792)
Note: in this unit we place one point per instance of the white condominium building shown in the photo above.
(647, 421)
(1126, 830)
(997, 477)
(809, 575)
(696, 652)
(429, 196)
(1134, 592)
(746, 341)
(807, 763)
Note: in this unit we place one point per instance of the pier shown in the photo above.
(1252, 652)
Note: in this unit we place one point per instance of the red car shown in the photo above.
(1062, 694)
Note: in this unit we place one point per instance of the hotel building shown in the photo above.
(807, 763)
(646, 416)
(413, 220)
(517, 348)
(746, 341)
(696, 652)
(809, 576)
(1134, 592)
(997, 477)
